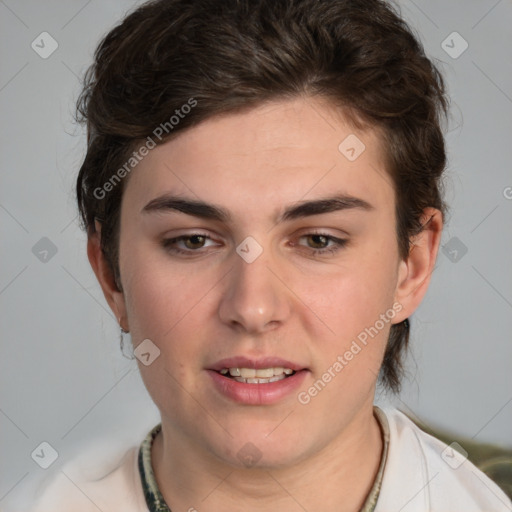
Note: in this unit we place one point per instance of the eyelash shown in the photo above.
(339, 243)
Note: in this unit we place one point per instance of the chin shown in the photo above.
(256, 449)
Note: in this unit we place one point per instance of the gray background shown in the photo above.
(62, 377)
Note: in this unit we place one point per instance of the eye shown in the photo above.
(320, 243)
(317, 241)
(187, 243)
(194, 241)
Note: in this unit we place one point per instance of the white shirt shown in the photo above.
(421, 474)
(417, 477)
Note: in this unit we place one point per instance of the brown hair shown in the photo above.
(222, 56)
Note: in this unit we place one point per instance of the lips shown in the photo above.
(257, 387)
(257, 364)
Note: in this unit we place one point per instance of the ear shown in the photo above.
(414, 273)
(105, 276)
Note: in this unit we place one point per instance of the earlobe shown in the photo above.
(414, 273)
(105, 276)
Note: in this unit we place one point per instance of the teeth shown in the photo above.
(247, 373)
(261, 381)
(260, 373)
(257, 376)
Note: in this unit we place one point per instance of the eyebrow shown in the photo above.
(167, 202)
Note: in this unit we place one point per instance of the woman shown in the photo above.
(261, 198)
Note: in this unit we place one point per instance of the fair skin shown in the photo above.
(291, 302)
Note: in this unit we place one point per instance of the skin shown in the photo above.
(210, 304)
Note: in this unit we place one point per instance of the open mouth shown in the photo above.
(257, 376)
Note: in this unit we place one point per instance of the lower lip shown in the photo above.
(257, 394)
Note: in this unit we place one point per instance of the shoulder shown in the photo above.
(114, 486)
(424, 474)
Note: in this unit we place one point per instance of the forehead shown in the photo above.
(281, 151)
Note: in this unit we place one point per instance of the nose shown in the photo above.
(255, 300)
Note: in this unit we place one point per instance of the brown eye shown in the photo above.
(189, 244)
(321, 244)
(194, 241)
(317, 241)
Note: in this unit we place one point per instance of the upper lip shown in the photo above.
(246, 362)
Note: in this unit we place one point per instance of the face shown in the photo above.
(252, 241)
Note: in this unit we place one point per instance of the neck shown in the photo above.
(342, 474)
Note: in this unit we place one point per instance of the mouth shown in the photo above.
(263, 381)
(257, 376)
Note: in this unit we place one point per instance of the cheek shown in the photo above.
(157, 292)
(357, 293)
(351, 302)
(165, 308)
(158, 302)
